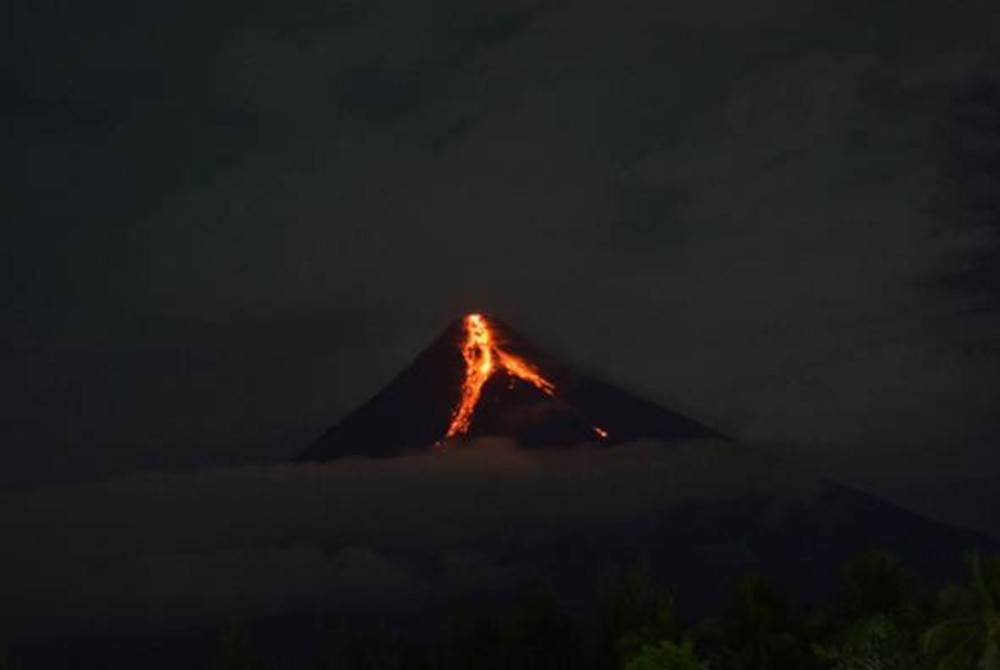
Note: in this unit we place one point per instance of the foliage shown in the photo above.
(877, 621)
(874, 582)
(374, 650)
(875, 643)
(664, 655)
(235, 653)
(538, 634)
(471, 643)
(533, 633)
(636, 614)
(968, 635)
(755, 632)
(876, 618)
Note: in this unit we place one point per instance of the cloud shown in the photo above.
(167, 550)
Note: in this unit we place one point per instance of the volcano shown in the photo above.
(723, 507)
(480, 378)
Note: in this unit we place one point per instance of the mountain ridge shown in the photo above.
(417, 407)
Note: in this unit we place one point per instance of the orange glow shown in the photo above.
(523, 370)
(484, 357)
(478, 354)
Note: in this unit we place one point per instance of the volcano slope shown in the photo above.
(522, 394)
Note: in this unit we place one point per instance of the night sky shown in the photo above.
(226, 224)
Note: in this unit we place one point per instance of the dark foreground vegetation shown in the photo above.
(881, 618)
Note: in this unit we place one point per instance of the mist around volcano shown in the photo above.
(176, 549)
(164, 551)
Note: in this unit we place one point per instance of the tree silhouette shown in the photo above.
(969, 636)
(531, 632)
(636, 614)
(877, 619)
(470, 643)
(373, 650)
(874, 643)
(537, 633)
(664, 656)
(874, 582)
(754, 632)
(234, 651)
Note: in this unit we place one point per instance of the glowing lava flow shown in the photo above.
(483, 357)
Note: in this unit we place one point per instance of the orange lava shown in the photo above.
(484, 357)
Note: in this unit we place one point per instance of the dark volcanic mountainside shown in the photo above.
(415, 409)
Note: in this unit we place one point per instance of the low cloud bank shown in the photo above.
(172, 549)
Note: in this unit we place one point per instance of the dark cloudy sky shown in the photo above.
(227, 223)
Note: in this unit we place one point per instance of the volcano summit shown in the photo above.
(479, 378)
